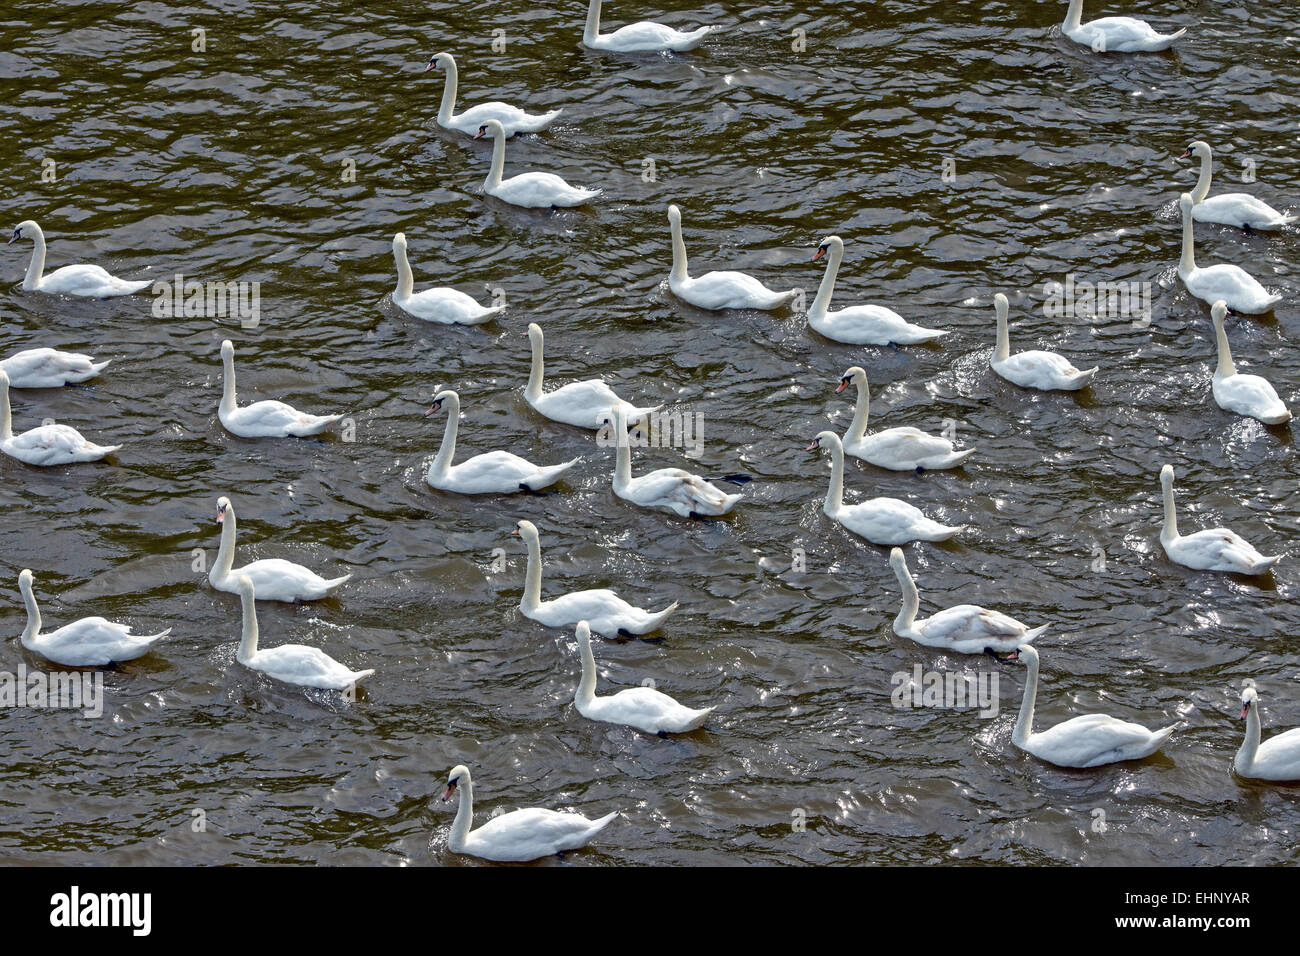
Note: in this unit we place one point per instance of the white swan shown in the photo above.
(1033, 369)
(517, 836)
(1214, 549)
(886, 521)
(963, 628)
(1230, 209)
(1244, 394)
(898, 449)
(1278, 758)
(444, 305)
(858, 324)
(530, 190)
(45, 445)
(672, 489)
(1115, 34)
(605, 612)
(585, 404)
(494, 472)
(717, 290)
(512, 118)
(642, 37)
(89, 642)
(1088, 740)
(85, 280)
(274, 578)
(1240, 290)
(644, 708)
(49, 368)
(292, 663)
(266, 419)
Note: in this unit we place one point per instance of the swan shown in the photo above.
(89, 642)
(1244, 394)
(274, 578)
(517, 836)
(447, 306)
(266, 419)
(49, 368)
(85, 280)
(643, 37)
(644, 708)
(496, 472)
(885, 521)
(1088, 740)
(512, 118)
(1230, 209)
(1033, 369)
(292, 663)
(586, 404)
(1214, 549)
(1278, 758)
(858, 324)
(1239, 290)
(672, 489)
(1115, 34)
(717, 290)
(964, 628)
(603, 610)
(45, 445)
(898, 449)
(530, 190)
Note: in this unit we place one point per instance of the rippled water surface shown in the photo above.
(230, 165)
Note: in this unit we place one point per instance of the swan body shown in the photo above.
(495, 472)
(642, 37)
(274, 579)
(89, 642)
(45, 445)
(49, 368)
(1214, 549)
(586, 404)
(530, 190)
(1088, 740)
(266, 419)
(1115, 34)
(90, 281)
(1277, 758)
(291, 663)
(512, 118)
(717, 290)
(898, 449)
(517, 836)
(963, 628)
(1046, 371)
(858, 324)
(671, 489)
(1249, 395)
(604, 611)
(1239, 290)
(884, 521)
(644, 708)
(443, 305)
(1229, 209)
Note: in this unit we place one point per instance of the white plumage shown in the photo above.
(586, 404)
(670, 489)
(529, 190)
(1214, 549)
(1241, 291)
(89, 642)
(858, 324)
(898, 449)
(1229, 209)
(45, 445)
(274, 579)
(717, 290)
(642, 37)
(512, 118)
(1115, 34)
(1249, 395)
(49, 368)
(444, 305)
(90, 281)
(1277, 758)
(1034, 369)
(266, 419)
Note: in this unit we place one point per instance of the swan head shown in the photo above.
(1002, 307)
(827, 244)
(245, 585)
(458, 774)
(446, 395)
(227, 349)
(1185, 203)
(583, 632)
(854, 376)
(824, 439)
(526, 530)
(25, 579)
(1219, 311)
(399, 241)
(439, 59)
(24, 230)
(1028, 654)
(534, 334)
(1167, 476)
(897, 560)
(222, 504)
(1249, 697)
(674, 214)
(490, 128)
(1199, 149)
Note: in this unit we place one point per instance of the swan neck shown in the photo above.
(1074, 16)
(592, 29)
(1170, 531)
(248, 640)
(6, 416)
(448, 105)
(405, 278)
(33, 628)
(1025, 722)
(226, 550)
(586, 692)
(498, 159)
(680, 272)
(460, 827)
(1250, 745)
(835, 492)
(911, 600)
(1226, 365)
(536, 371)
(32, 281)
(861, 412)
(623, 459)
(1203, 183)
(533, 578)
(1003, 350)
(1187, 262)
(827, 288)
(228, 384)
(447, 451)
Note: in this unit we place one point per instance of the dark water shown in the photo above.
(229, 165)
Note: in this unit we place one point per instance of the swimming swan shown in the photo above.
(717, 290)
(530, 190)
(1115, 34)
(1240, 290)
(643, 37)
(1230, 209)
(671, 489)
(85, 280)
(858, 324)
(89, 642)
(266, 419)
(494, 472)
(45, 445)
(898, 449)
(274, 578)
(585, 404)
(1277, 758)
(517, 836)
(1244, 394)
(444, 305)
(49, 368)
(1214, 549)
(1088, 740)
(1034, 369)
(512, 118)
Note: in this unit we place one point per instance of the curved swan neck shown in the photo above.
(1025, 722)
(447, 451)
(834, 256)
(861, 413)
(1170, 531)
(1250, 745)
(1187, 262)
(6, 416)
(405, 278)
(680, 272)
(1003, 350)
(533, 578)
(592, 30)
(1074, 16)
(911, 599)
(586, 691)
(1203, 183)
(36, 267)
(226, 550)
(538, 369)
(498, 158)
(835, 492)
(248, 641)
(228, 383)
(1226, 365)
(448, 105)
(33, 628)
(460, 827)
(623, 460)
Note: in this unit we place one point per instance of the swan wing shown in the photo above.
(1239, 209)
(55, 445)
(275, 579)
(538, 190)
(871, 325)
(88, 280)
(729, 290)
(448, 306)
(93, 642)
(48, 368)
(273, 419)
(1250, 395)
(646, 709)
(303, 665)
(532, 833)
(1278, 758)
(1090, 738)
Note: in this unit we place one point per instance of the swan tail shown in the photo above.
(156, 637)
(332, 583)
(1032, 633)
(657, 620)
(359, 676)
(699, 720)
(1259, 567)
(107, 449)
(601, 822)
(958, 457)
(1162, 735)
(97, 367)
(129, 288)
(1085, 378)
